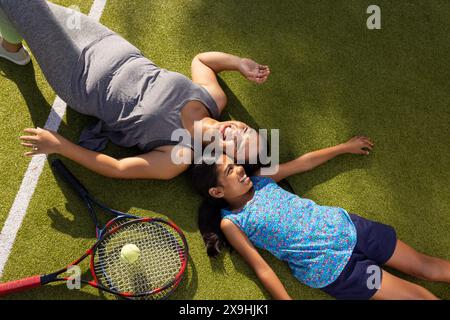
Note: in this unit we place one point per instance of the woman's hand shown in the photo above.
(253, 71)
(41, 142)
(358, 145)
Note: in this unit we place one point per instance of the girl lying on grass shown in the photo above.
(341, 253)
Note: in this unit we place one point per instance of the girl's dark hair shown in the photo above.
(203, 177)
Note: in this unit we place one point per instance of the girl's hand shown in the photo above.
(41, 142)
(253, 71)
(358, 145)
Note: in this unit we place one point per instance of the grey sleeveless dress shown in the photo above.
(98, 73)
(137, 102)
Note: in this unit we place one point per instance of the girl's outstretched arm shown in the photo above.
(245, 248)
(311, 160)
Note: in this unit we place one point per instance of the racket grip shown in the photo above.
(69, 177)
(19, 285)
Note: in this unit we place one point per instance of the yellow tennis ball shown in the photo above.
(130, 253)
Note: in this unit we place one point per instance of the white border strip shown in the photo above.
(97, 9)
(34, 170)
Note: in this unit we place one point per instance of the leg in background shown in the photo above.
(8, 31)
(56, 44)
(409, 261)
(394, 288)
(51, 47)
(12, 41)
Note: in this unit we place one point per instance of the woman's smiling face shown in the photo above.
(238, 140)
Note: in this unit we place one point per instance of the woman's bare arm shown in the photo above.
(206, 65)
(156, 164)
(311, 160)
(219, 61)
(245, 248)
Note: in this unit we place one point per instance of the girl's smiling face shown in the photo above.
(232, 182)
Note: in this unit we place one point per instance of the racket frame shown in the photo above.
(90, 201)
(36, 281)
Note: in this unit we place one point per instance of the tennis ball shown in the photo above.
(129, 253)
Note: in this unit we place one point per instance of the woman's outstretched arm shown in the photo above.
(245, 248)
(311, 160)
(220, 61)
(152, 165)
(206, 65)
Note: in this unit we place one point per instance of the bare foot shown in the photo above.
(10, 47)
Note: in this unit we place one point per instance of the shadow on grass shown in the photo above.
(25, 80)
(234, 109)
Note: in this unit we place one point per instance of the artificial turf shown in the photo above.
(331, 78)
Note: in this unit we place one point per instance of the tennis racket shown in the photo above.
(160, 265)
(167, 238)
(118, 216)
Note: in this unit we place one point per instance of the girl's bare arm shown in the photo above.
(245, 248)
(311, 160)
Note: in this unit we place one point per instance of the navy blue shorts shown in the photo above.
(375, 245)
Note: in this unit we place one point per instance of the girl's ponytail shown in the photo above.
(204, 177)
(209, 225)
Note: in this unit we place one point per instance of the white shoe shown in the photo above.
(21, 57)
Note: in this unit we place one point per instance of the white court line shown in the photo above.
(34, 170)
(97, 9)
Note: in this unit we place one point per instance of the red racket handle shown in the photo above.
(19, 285)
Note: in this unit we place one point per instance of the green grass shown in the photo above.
(331, 79)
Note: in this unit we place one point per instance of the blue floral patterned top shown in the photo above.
(316, 241)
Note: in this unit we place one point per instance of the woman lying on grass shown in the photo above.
(325, 247)
(99, 73)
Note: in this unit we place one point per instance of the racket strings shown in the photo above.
(161, 254)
